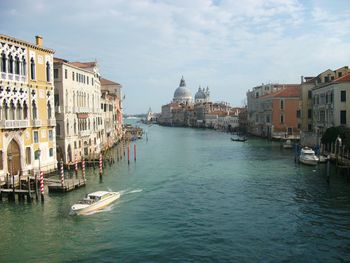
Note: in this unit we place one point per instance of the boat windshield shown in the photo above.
(86, 201)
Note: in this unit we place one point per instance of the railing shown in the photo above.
(84, 133)
(36, 123)
(10, 124)
(51, 122)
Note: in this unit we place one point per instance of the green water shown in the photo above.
(192, 196)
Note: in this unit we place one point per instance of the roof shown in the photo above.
(108, 82)
(290, 90)
(84, 64)
(344, 78)
(22, 42)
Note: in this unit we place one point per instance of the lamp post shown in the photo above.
(10, 158)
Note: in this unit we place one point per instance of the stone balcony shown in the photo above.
(84, 133)
(13, 124)
(51, 122)
(36, 123)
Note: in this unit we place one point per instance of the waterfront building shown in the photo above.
(27, 121)
(304, 113)
(330, 104)
(111, 112)
(80, 125)
(253, 104)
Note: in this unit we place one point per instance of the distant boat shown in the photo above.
(243, 139)
(288, 144)
(94, 201)
(308, 156)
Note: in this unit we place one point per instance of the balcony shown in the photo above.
(36, 123)
(51, 122)
(14, 124)
(84, 133)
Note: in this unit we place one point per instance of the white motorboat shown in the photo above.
(288, 144)
(307, 156)
(94, 201)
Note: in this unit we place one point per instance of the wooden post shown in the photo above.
(36, 187)
(29, 196)
(328, 167)
(135, 152)
(128, 153)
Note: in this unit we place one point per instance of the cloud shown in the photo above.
(229, 45)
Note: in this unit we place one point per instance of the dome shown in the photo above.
(200, 94)
(182, 94)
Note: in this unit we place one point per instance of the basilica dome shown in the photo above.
(182, 94)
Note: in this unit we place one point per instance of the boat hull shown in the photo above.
(308, 162)
(83, 210)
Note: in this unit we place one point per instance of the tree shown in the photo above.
(332, 133)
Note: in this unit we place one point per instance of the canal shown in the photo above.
(192, 196)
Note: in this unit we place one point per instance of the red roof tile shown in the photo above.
(343, 78)
(108, 82)
(83, 64)
(290, 90)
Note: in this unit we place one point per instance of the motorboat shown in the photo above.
(307, 156)
(288, 144)
(94, 201)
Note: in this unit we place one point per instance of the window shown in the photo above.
(17, 65)
(343, 95)
(75, 145)
(25, 111)
(326, 79)
(73, 76)
(309, 127)
(50, 135)
(309, 94)
(87, 80)
(65, 73)
(57, 100)
(32, 68)
(48, 69)
(322, 116)
(10, 64)
(36, 155)
(24, 66)
(3, 62)
(298, 114)
(35, 113)
(51, 152)
(49, 111)
(343, 117)
(36, 136)
(28, 156)
(282, 119)
(55, 73)
(282, 104)
(339, 74)
(77, 77)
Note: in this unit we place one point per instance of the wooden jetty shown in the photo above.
(69, 185)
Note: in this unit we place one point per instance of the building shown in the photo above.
(80, 126)
(111, 112)
(27, 119)
(331, 104)
(202, 95)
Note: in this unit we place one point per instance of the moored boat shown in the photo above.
(242, 139)
(307, 156)
(94, 201)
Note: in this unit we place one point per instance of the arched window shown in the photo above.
(17, 65)
(25, 111)
(5, 110)
(10, 64)
(67, 128)
(34, 110)
(12, 110)
(24, 66)
(49, 111)
(89, 124)
(75, 127)
(32, 68)
(48, 77)
(18, 111)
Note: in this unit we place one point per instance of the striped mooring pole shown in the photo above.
(42, 185)
(76, 166)
(128, 153)
(135, 152)
(83, 168)
(62, 175)
(101, 165)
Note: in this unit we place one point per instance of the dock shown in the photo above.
(69, 185)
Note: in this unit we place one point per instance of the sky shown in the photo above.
(148, 45)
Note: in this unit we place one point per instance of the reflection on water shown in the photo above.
(192, 196)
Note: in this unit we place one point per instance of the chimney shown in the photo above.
(302, 79)
(39, 40)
